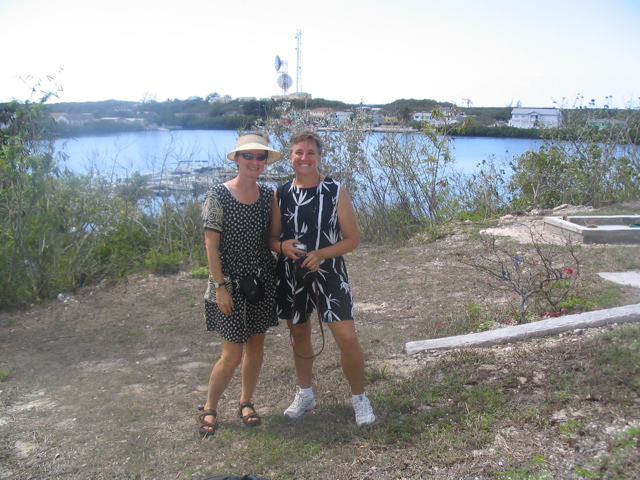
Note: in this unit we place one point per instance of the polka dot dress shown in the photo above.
(243, 250)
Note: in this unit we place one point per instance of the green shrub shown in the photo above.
(164, 263)
(201, 273)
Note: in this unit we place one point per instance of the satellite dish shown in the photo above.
(277, 63)
(285, 81)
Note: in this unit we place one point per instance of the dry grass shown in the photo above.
(105, 384)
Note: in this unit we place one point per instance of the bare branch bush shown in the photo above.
(537, 272)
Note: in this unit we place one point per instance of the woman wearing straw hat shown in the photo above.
(236, 217)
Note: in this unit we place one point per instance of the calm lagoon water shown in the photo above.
(152, 151)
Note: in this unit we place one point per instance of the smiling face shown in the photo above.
(305, 157)
(251, 166)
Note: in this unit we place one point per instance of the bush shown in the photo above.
(540, 274)
(164, 263)
(580, 164)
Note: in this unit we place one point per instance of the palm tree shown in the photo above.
(404, 114)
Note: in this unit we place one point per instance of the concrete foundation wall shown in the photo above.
(612, 229)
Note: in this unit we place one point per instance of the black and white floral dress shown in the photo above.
(311, 216)
(243, 250)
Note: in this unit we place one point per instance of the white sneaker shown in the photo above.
(364, 411)
(301, 405)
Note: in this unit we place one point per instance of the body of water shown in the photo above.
(153, 151)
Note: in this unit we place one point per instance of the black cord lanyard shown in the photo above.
(293, 312)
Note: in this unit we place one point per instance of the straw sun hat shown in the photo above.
(252, 141)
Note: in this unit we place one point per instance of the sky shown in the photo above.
(483, 53)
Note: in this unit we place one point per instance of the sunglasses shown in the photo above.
(261, 157)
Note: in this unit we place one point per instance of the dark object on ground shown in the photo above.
(246, 477)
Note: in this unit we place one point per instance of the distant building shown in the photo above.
(299, 96)
(373, 114)
(141, 121)
(422, 116)
(321, 116)
(72, 118)
(342, 117)
(123, 110)
(535, 117)
(445, 117)
(216, 98)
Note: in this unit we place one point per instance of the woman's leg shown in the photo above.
(221, 374)
(251, 366)
(352, 358)
(301, 338)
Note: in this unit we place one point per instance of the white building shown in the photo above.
(73, 118)
(535, 117)
(422, 117)
(442, 118)
(320, 116)
(342, 117)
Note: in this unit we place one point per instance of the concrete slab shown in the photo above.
(552, 326)
(630, 278)
(610, 229)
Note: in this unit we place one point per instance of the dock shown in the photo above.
(196, 177)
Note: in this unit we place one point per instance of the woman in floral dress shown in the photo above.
(313, 224)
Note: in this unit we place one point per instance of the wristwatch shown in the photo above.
(218, 285)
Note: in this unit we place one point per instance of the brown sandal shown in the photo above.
(248, 418)
(207, 428)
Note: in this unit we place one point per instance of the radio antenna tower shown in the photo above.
(299, 69)
(284, 80)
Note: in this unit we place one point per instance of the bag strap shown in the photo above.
(293, 312)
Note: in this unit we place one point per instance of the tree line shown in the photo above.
(197, 113)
